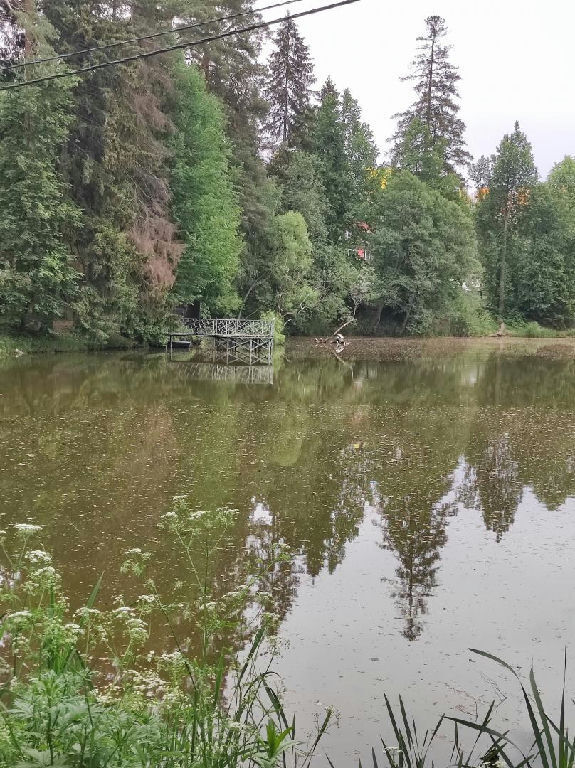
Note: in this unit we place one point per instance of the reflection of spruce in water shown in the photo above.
(492, 484)
(415, 530)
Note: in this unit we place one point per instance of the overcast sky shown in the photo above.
(516, 61)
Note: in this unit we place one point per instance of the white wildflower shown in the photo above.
(148, 599)
(20, 615)
(85, 613)
(39, 556)
(27, 527)
(74, 630)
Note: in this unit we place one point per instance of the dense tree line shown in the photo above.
(215, 179)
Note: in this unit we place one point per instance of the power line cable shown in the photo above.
(179, 46)
(162, 33)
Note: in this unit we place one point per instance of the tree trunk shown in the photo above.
(503, 270)
(28, 8)
(430, 85)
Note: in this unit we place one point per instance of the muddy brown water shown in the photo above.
(426, 491)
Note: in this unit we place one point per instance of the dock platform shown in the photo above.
(248, 342)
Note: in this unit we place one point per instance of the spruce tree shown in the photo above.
(436, 107)
(329, 142)
(288, 85)
(115, 165)
(361, 154)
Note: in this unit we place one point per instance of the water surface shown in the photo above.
(428, 504)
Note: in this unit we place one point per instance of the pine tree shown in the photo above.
(288, 85)
(435, 79)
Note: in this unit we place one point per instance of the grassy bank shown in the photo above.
(15, 345)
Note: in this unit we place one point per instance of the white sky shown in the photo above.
(516, 60)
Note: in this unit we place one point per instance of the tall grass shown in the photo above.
(552, 746)
(82, 689)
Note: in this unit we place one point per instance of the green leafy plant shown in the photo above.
(82, 689)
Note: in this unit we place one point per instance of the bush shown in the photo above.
(467, 317)
(279, 327)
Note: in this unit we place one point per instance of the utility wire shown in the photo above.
(179, 46)
(162, 33)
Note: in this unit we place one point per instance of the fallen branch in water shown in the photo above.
(336, 338)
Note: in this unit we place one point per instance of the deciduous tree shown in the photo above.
(506, 187)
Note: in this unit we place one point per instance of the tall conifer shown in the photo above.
(329, 139)
(435, 81)
(289, 84)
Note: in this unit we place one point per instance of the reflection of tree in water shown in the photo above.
(492, 483)
(415, 530)
(289, 537)
(271, 561)
(348, 511)
(113, 439)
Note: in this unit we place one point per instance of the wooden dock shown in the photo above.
(248, 342)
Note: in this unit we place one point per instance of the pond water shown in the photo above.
(428, 503)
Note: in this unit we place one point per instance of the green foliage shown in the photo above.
(37, 274)
(530, 330)
(544, 274)
(279, 327)
(424, 249)
(423, 155)
(143, 185)
(467, 316)
(329, 144)
(302, 189)
(204, 201)
(526, 235)
(17, 344)
(509, 177)
(290, 261)
(418, 152)
(562, 181)
(361, 157)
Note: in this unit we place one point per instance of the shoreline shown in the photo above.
(358, 348)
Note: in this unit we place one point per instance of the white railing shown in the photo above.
(232, 328)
